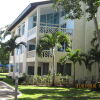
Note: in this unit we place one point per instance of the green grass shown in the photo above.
(3, 75)
(30, 92)
(57, 93)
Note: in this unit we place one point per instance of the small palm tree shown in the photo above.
(50, 41)
(74, 56)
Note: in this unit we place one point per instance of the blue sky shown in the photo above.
(10, 9)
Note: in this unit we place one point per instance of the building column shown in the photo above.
(36, 67)
(37, 37)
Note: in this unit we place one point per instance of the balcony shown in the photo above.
(47, 28)
(46, 56)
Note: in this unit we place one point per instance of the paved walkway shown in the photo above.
(6, 91)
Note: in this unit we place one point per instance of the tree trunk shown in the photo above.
(53, 77)
(98, 71)
(97, 29)
(74, 76)
(13, 64)
(16, 87)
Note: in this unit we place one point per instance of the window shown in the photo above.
(20, 48)
(64, 46)
(19, 30)
(64, 69)
(23, 29)
(31, 47)
(17, 67)
(39, 70)
(56, 18)
(63, 13)
(43, 18)
(45, 68)
(70, 25)
(50, 19)
(63, 26)
(34, 20)
(30, 70)
(20, 67)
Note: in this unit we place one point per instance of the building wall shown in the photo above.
(83, 33)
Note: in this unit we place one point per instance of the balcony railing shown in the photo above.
(45, 53)
(49, 28)
(32, 31)
(31, 53)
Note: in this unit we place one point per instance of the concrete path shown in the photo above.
(6, 91)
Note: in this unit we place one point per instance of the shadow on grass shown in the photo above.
(59, 94)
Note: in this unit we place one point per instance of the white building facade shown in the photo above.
(41, 18)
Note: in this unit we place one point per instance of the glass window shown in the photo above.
(70, 24)
(34, 20)
(23, 29)
(43, 18)
(50, 19)
(63, 26)
(45, 68)
(30, 70)
(19, 30)
(31, 47)
(63, 13)
(56, 18)
(39, 70)
(64, 69)
(17, 67)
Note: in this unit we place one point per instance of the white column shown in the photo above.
(37, 37)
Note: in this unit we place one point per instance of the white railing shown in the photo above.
(51, 29)
(46, 53)
(32, 31)
(31, 53)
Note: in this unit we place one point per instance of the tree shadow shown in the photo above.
(60, 94)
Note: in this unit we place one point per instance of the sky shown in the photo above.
(10, 9)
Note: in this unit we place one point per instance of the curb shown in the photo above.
(19, 93)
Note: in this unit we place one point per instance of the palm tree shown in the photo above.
(74, 56)
(10, 46)
(50, 41)
(95, 51)
(87, 59)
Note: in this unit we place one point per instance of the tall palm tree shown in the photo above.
(74, 56)
(10, 46)
(95, 51)
(50, 41)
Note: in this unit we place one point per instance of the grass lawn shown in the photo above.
(30, 92)
(57, 93)
(3, 75)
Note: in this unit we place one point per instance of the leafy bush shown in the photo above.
(47, 80)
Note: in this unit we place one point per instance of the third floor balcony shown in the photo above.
(45, 28)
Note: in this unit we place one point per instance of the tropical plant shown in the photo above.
(74, 56)
(51, 41)
(10, 46)
(94, 51)
(74, 10)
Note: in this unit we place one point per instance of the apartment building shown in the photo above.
(41, 18)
